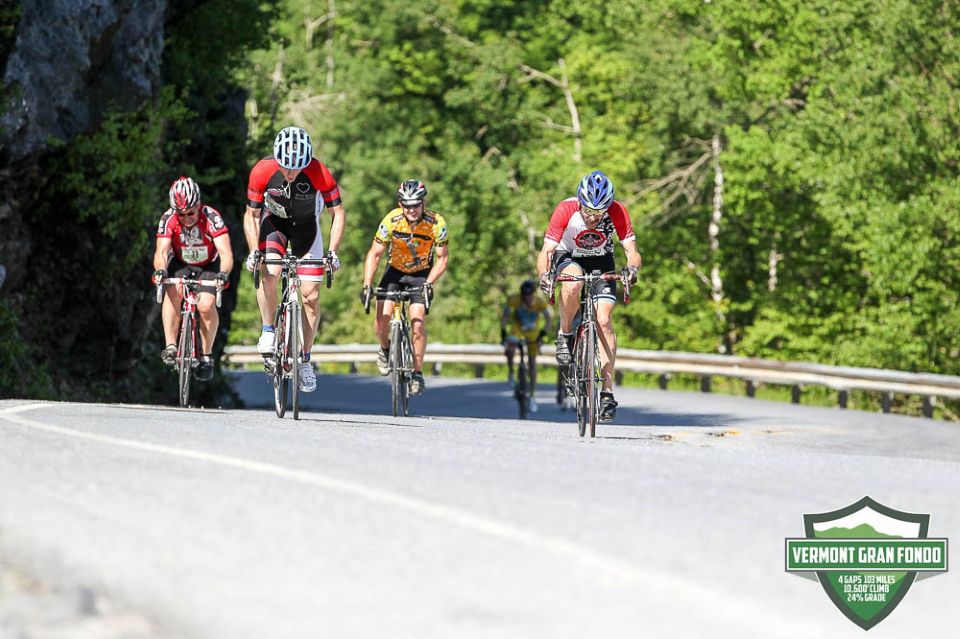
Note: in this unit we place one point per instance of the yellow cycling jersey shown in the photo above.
(525, 319)
(411, 249)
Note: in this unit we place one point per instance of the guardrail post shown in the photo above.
(354, 368)
(844, 396)
(751, 388)
(928, 402)
(618, 378)
(886, 402)
(795, 393)
(436, 368)
(478, 371)
(704, 383)
(663, 380)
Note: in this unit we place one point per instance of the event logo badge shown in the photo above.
(866, 556)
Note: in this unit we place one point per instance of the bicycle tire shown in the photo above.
(293, 352)
(186, 358)
(396, 368)
(407, 367)
(523, 400)
(279, 375)
(593, 391)
(577, 368)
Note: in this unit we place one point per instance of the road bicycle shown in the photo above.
(188, 343)
(584, 373)
(283, 365)
(523, 387)
(401, 346)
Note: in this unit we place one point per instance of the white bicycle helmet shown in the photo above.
(292, 148)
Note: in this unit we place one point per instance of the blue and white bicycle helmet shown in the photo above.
(292, 148)
(595, 191)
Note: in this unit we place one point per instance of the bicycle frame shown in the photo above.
(584, 378)
(283, 365)
(188, 349)
(401, 347)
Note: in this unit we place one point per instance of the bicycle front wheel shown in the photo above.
(407, 367)
(592, 386)
(523, 395)
(186, 358)
(280, 375)
(294, 355)
(396, 369)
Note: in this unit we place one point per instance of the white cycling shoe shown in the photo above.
(533, 405)
(267, 341)
(308, 379)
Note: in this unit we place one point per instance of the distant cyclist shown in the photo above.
(580, 238)
(285, 196)
(192, 240)
(418, 256)
(522, 315)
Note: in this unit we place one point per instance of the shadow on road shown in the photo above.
(453, 397)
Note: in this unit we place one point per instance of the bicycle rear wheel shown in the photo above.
(279, 375)
(186, 358)
(293, 352)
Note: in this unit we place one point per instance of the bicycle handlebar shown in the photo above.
(290, 262)
(590, 278)
(396, 296)
(187, 280)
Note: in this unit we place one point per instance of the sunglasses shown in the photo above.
(187, 213)
(586, 210)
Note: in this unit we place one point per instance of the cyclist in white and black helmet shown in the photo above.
(285, 196)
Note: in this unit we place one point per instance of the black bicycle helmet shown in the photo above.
(528, 286)
(412, 193)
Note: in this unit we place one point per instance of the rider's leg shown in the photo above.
(569, 298)
(310, 292)
(209, 320)
(267, 293)
(170, 311)
(418, 326)
(509, 349)
(608, 341)
(381, 322)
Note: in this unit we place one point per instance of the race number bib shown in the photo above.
(194, 255)
(275, 207)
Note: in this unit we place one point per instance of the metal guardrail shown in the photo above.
(666, 363)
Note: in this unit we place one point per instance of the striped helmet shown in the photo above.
(412, 193)
(184, 194)
(292, 148)
(595, 191)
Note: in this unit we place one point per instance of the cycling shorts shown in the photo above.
(603, 290)
(530, 337)
(209, 271)
(396, 280)
(305, 240)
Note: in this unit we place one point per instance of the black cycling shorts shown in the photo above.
(602, 290)
(208, 271)
(305, 240)
(396, 280)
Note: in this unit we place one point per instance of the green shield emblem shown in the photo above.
(866, 556)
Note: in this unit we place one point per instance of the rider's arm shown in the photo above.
(222, 243)
(633, 257)
(337, 226)
(251, 228)
(373, 261)
(545, 257)
(507, 313)
(547, 320)
(442, 256)
(162, 253)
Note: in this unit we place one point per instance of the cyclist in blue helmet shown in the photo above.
(580, 240)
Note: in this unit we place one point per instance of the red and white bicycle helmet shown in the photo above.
(184, 194)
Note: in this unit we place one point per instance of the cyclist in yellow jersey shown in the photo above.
(522, 313)
(417, 241)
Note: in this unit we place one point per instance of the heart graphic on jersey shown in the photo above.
(590, 239)
(303, 187)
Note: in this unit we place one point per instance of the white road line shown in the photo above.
(609, 570)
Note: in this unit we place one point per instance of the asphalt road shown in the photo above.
(460, 521)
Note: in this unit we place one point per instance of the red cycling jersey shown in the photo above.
(193, 245)
(570, 234)
(300, 200)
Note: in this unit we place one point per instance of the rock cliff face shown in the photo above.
(66, 64)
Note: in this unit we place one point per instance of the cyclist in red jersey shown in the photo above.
(192, 239)
(285, 196)
(580, 239)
